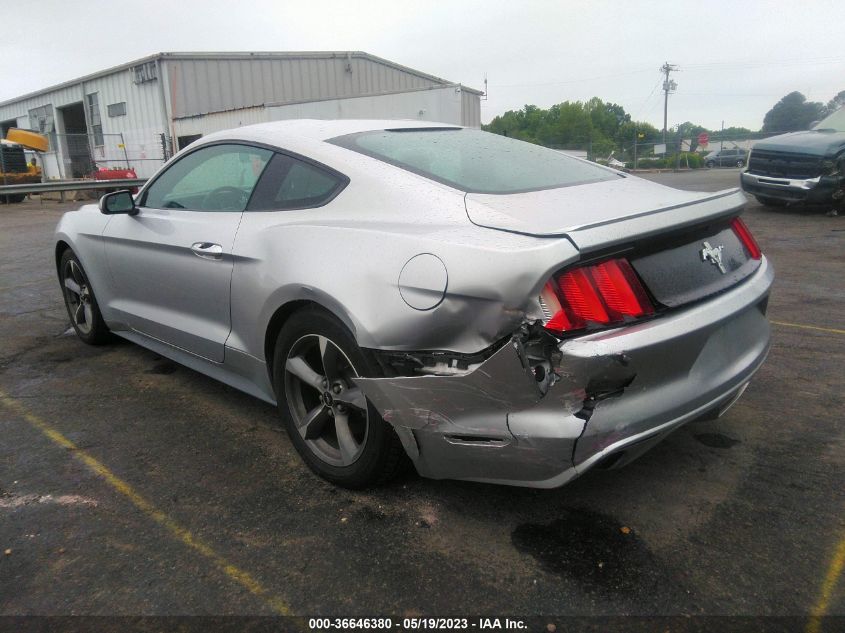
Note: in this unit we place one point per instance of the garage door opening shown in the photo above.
(6, 125)
(76, 149)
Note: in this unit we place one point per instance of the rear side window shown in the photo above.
(289, 183)
(475, 161)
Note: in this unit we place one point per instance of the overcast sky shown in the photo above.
(736, 58)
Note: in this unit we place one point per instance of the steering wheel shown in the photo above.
(225, 199)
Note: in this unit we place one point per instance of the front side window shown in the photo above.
(475, 161)
(214, 178)
(290, 183)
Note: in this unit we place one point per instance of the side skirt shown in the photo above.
(239, 370)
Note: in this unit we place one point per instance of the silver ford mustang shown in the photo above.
(493, 310)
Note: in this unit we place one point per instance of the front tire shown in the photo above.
(710, 164)
(333, 426)
(81, 304)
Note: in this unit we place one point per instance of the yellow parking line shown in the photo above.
(182, 534)
(809, 327)
(829, 584)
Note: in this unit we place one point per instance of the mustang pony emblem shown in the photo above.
(713, 255)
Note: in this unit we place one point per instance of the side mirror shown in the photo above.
(118, 202)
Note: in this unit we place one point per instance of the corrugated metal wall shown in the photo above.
(208, 92)
(441, 105)
(470, 109)
(200, 86)
(51, 162)
(208, 123)
(141, 126)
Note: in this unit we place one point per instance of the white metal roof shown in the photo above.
(241, 55)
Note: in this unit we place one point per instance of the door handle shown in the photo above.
(207, 250)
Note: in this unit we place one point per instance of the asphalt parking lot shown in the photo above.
(130, 485)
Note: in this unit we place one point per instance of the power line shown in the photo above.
(647, 99)
(573, 81)
(762, 64)
(732, 94)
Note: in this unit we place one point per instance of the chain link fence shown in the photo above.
(684, 153)
(675, 153)
(83, 155)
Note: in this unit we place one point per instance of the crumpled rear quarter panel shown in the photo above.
(615, 389)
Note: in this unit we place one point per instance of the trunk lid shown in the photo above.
(602, 214)
(665, 233)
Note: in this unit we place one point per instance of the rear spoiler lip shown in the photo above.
(601, 235)
(606, 233)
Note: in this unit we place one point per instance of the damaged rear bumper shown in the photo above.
(615, 394)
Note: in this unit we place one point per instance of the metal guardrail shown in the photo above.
(72, 185)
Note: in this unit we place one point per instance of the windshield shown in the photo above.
(835, 121)
(475, 161)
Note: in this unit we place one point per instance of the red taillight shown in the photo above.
(579, 294)
(746, 238)
(602, 294)
(621, 289)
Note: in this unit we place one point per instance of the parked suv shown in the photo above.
(800, 167)
(726, 158)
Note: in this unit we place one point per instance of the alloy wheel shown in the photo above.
(328, 409)
(78, 296)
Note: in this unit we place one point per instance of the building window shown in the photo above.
(41, 119)
(96, 130)
(144, 72)
(117, 109)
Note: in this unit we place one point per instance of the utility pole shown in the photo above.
(635, 147)
(668, 86)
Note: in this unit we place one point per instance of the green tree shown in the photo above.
(732, 133)
(792, 113)
(837, 102)
(593, 124)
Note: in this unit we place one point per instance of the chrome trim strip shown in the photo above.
(805, 184)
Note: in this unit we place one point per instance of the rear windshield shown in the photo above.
(475, 161)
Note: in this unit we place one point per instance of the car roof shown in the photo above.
(307, 137)
(279, 132)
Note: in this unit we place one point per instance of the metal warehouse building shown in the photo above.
(139, 113)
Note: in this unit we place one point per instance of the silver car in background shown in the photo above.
(493, 310)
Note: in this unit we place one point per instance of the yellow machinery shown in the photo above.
(14, 170)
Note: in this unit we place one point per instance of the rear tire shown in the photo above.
(771, 202)
(81, 304)
(335, 429)
(740, 163)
